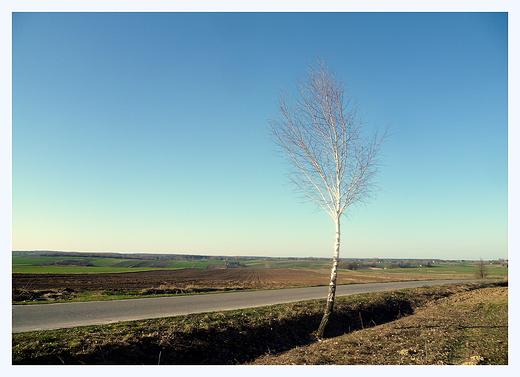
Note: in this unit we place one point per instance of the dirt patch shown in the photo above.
(51, 286)
(200, 278)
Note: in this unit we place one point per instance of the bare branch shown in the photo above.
(320, 136)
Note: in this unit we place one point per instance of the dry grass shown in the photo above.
(467, 328)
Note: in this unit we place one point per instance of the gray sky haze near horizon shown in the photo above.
(148, 132)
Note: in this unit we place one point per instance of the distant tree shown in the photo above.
(348, 265)
(331, 162)
(481, 270)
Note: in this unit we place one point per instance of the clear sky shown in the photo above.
(148, 132)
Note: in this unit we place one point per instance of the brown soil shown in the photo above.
(52, 287)
(203, 278)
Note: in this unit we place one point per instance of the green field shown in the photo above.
(41, 264)
(446, 268)
(287, 263)
(22, 263)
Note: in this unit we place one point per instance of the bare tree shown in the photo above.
(330, 161)
(481, 270)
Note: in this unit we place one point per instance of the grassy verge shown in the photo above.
(53, 296)
(255, 335)
(467, 328)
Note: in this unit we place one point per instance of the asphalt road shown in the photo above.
(65, 315)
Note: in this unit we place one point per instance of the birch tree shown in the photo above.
(331, 161)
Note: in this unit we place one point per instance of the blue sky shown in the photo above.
(148, 132)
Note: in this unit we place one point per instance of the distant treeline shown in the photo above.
(144, 256)
(345, 263)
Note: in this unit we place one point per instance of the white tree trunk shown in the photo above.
(332, 285)
(331, 160)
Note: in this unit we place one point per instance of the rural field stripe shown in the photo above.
(65, 315)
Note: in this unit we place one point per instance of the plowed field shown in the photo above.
(215, 279)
